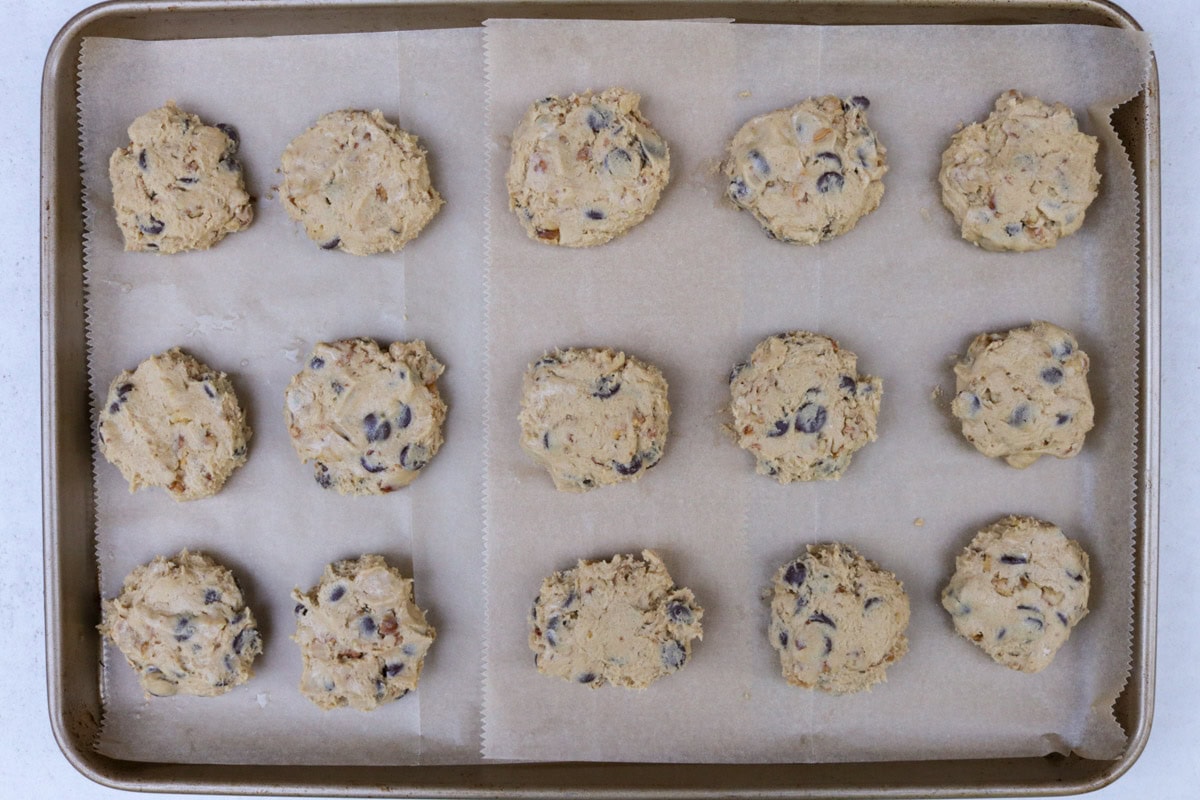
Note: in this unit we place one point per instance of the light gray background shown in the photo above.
(30, 763)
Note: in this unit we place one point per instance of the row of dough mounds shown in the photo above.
(586, 168)
(370, 419)
(837, 620)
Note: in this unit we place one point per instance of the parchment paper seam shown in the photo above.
(489, 158)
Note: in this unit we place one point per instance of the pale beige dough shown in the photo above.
(1024, 394)
(175, 423)
(183, 626)
(622, 621)
(178, 184)
(810, 172)
(837, 620)
(800, 407)
(585, 168)
(370, 419)
(593, 417)
(358, 183)
(361, 634)
(1018, 589)
(1022, 179)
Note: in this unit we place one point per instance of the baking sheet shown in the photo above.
(697, 285)
(253, 306)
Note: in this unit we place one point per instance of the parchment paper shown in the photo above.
(697, 285)
(254, 306)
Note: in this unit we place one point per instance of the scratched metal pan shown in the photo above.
(72, 595)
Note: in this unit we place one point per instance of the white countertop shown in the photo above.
(31, 765)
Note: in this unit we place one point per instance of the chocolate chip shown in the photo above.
(653, 145)
(830, 182)
(246, 638)
(759, 163)
(860, 102)
(321, 473)
(973, 403)
(551, 637)
(300, 610)
(594, 213)
(546, 440)
(847, 384)
(780, 427)
(832, 158)
(795, 574)
(737, 370)
(1052, 375)
(1000, 633)
(606, 386)
(413, 457)
(1035, 622)
(1013, 228)
(1062, 350)
(1075, 576)
(367, 626)
(393, 669)
(229, 131)
(820, 618)
(142, 160)
(598, 119)
(871, 602)
(828, 645)
(1014, 560)
(586, 677)
(409, 650)
(618, 162)
(1062, 419)
(738, 191)
(337, 593)
(153, 227)
(679, 612)
(783, 638)
(673, 655)
(123, 391)
(1034, 609)
(337, 387)
(187, 180)
(373, 468)
(317, 362)
(114, 408)
(631, 468)
(1062, 618)
(332, 243)
(208, 390)
(1020, 416)
(184, 630)
(810, 418)
(211, 596)
(375, 430)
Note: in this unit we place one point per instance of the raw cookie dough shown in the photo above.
(1022, 179)
(176, 423)
(810, 172)
(837, 620)
(622, 621)
(358, 183)
(1024, 394)
(585, 168)
(370, 419)
(1018, 589)
(801, 408)
(361, 634)
(183, 626)
(178, 185)
(593, 417)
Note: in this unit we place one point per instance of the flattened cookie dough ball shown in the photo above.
(183, 626)
(837, 620)
(593, 417)
(1022, 179)
(178, 185)
(1018, 589)
(175, 423)
(585, 168)
(358, 183)
(370, 419)
(810, 172)
(801, 408)
(622, 621)
(361, 634)
(1024, 394)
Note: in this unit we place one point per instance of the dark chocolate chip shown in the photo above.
(153, 227)
(1034, 609)
(114, 408)
(974, 404)
(828, 645)
(142, 160)
(653, 145)
(606, 386)
(1035, 622)
(571, 597)
(1062, 618)
(184, 629)
(208, 390)
(337, 387)
(404, 417)
(123, 391)
(871, 602)
(300, 610)
(810, 418)
(1014, 560)
(679, 612)
(594, 213)
(860, 101)
(367, 626)
(337, 593)
(321, 473)
(211, 596)
(737, 370)
(673, 655)
(618, 161)
(332, 243)
(1013, 228)
(830, 182)
(1075, 576)
(759, 162)
(187, 180)
(393, 669)
(598, 119)
(1062, 350)
(1000, 633)
(412, 457)
(230, 131)
(1052, 375)
(409, 649)
(246, 638)
(376, 430)
(780, 427)
(795, 574)
(373, 468)
(586, 677)
(783, 638)
(317, 362)
(1020, 416)
(631, 468)
(738, 191)
(832, 158)
(546, 440)
(551, 637)
(847, 384)
(1062, 419)
(820, 618)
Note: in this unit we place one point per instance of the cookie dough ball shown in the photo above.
(361, 634)
(837, 620)
(1018, 589)
(1022, 179)
(178, 185)
(183, 626)
(810, 172)
(1024, 394)
(623, 622)
(801, 408)
(370, 419)
(358, 183)
(585, 168)
(176, 423)
(593, 417)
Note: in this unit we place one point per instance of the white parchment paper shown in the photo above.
(254, 306)
(697, 285)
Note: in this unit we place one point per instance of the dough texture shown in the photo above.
(361, 634)
(810, 172)
(370, 419)
(1018, 589)
(593, 417)
(623, 622)
(837, 620)
(1023, 178)
(183, 626)
(801, 408)
(178, 185)
(1024, 394)
(585, 168)
(358, 183)
(176, 423)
